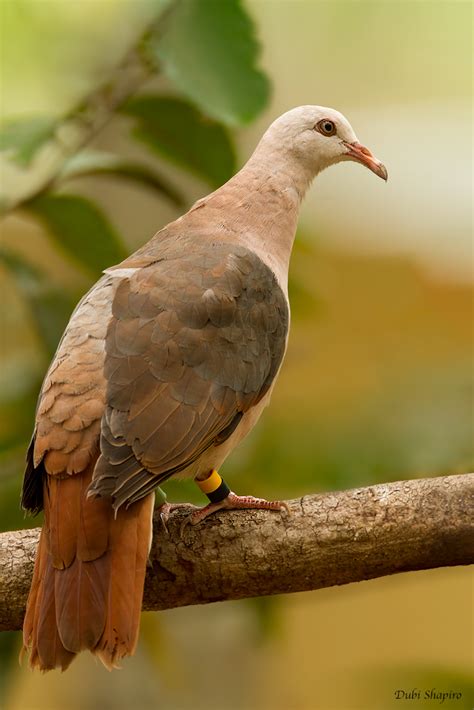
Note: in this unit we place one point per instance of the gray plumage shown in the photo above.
(195, 340)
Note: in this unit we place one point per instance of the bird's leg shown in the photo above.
(222, 498)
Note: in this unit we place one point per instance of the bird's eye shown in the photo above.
(326, 127)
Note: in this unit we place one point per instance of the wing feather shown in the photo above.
(195, 341)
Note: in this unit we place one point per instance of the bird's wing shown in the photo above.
(72, 399)
(195, 340)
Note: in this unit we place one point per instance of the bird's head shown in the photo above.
(319, 137)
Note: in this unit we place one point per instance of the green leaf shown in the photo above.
(207, 48)
(94, 162)
(24, 137)
(50, 306)
(80, 229)
(176, 130)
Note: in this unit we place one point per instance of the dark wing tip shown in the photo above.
(32, 491)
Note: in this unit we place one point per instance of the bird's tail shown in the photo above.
(89, 575)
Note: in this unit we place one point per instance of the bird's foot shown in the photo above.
(166, 509)
(233, 502)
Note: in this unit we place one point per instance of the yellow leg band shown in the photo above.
(211, 483)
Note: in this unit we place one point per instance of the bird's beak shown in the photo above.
(358, 152)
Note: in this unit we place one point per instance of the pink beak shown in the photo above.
(362, 155)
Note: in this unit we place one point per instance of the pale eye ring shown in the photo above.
(326, 127)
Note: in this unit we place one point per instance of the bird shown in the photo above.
(166, 364)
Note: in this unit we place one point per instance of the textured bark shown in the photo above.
(329, 539)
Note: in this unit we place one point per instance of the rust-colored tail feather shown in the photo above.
(128, 559)
(89, 575)
(40, 632)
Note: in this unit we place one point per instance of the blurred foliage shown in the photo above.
(176, 130)
(200, 36)
(21, 139)
(50, 306)
(80, 229)
(89, 163)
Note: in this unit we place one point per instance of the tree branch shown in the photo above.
(329, 539)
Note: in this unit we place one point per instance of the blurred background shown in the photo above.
(116, 116)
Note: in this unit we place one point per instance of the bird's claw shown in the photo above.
(164, 516)
(166, 509)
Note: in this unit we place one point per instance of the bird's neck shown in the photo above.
(269, 164)
(259, 207)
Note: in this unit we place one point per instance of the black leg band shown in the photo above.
(214, 487)
(220, 493)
